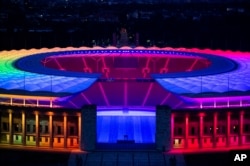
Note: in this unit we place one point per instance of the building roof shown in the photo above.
(179, 77)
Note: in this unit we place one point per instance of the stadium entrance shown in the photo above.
(126, 126)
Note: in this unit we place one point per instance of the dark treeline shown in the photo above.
(216, 26)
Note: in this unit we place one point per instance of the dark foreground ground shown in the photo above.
(208, 159)
(13, 157)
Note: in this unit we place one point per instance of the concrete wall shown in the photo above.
(163, 128)
(88, 127)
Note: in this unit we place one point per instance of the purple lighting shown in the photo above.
(130, 77)
(128, 113)
(114, 125)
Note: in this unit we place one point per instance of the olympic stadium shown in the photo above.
(89, 98)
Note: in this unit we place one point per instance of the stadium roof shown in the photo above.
(189, 76)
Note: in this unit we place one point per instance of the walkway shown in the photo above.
(124, 159)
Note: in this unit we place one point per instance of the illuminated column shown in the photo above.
(0, 125)
(51, 130)
(241, 121)
(23, 128)
(10, 127)
(228, 128)
(79, 130)
(186, 129)
(215, 128)
(65, 130)
(37, 129)
(201, 122)
(172, 130)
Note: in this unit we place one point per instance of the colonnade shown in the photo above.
(37, 135)
(200, 136)
(208, 129)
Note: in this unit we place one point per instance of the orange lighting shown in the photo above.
(50, 113)
(36, 112)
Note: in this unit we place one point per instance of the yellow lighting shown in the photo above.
(176, 141)
(27, 97)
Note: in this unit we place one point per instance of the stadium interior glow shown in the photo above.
(24, 73)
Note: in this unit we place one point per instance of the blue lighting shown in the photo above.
(138, 126)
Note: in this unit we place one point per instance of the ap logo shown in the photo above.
(240, 157)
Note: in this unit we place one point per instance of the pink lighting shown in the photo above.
(165, 99)
(113, 94)
(219, 102)
(125, 94)
(58, 64)
(151, 64)
(192, 66)
(228, 128)
(103, 94)
(172, 127)
(148, 92)
(133, 82)
(86, 98)
(123, 65)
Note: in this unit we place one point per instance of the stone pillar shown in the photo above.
(51, 139)
(0, 125)
(65, 126)
(172, 130)
(79, 130)
(164, 128)
(10, 127)
(37, 129)
(228, 128)
(241, 122)
(201, 124)
(23, 128)
(186, 129)
(215, 121)
(88, 127)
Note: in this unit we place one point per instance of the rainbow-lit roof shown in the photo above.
(22, 72)
(236, 80)
(14, 79)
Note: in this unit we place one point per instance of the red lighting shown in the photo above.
(126, 65)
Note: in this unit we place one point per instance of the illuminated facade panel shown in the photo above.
(44, 93)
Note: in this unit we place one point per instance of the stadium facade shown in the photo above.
(170, 98)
